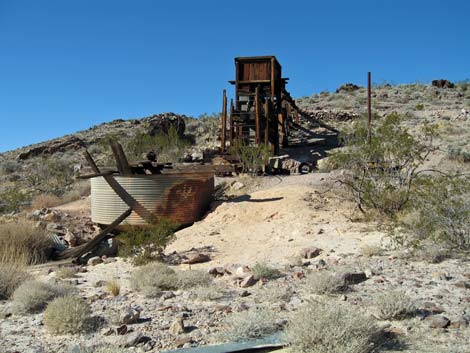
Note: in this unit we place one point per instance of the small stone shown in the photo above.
(242, 271)
(350, 278)
(310, 253)
(237, 185)
(93, 261)
(122, 330)
(180, 342)
(463, 284)
(133, 339)
(130, 316)
(217, 271)
(196, 258)
(177, 327)
(248, 281)
(109, 260)
(440, 276)
(244, 294)
(438, 321)
(100, 283)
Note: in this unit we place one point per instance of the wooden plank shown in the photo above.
(257, 116)
(224, 120)
(121, 159)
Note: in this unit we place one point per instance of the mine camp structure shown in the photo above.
(263, 110)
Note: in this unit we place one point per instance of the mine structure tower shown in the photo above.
(263, 109)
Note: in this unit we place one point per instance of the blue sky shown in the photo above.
(66, 65)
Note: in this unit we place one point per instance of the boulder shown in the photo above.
(93, 261)
(248, 281)
(438, 321)
(310, 253)
(196, 258)
(347, 87)
(350, 278)
(177, 327)
(442, 84)
(130, 316)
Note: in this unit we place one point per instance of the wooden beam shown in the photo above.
(231, 123)
(224, 120)
(121, 160)
(257, 116)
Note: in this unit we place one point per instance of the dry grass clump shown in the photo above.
(250, 324)
(113, 287)
(108, 348)
(11, 276)
(371, 250)
(66, 272)
(33, 296)
(330, 327)
(68, 315)
(46, 201)
(276, 293)
(394, 305)
(22, 242)
(193, 278)
(325, 282)
(153, 278)
(262, 270)
(209, 293)
(432, 253)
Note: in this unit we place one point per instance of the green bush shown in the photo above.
(169, 147)
(13, 199)
(325, 282)
(262, 270)
(51, 176)
(68, 315)
(193, 278)
(331, 327)
(458, 154)
(146, 244)
(382, 171)
(441, 214)
(251, 324)
(253, 158)
(419, 106)
(33, 296)
(154, 278)
(8, 167)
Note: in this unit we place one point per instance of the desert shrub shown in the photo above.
(371, 250)
(383, 170)
(419, 106)
(331, 327)
(395, 305)
(113, 287)
(208, 293)
(13, 199)
(153, 278)
(33, 296)
(146, 244)
(441, 214)
(458, 154)
(253, 158)
(45, 201)
(169, 147)
(274, 293)
(431, 253)
(325, 282)
(51, 176)
(193, 278)
(12, 274)
(68, 315)
(9, 166)
(254, 323)
(103, 348)
(22, 240)
(262, 270)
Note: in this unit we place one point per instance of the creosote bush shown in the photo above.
(251, 324)
(209, 293)
(331, 327)
(68, 315)
(22, 241)
(33, 296)
(395, 305)
(45, 201)
(146, 244)
(253, 158)
(193, 278)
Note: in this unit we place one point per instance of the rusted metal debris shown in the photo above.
(143, 194)
(263, 110)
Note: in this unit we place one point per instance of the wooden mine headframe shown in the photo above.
(263, 109)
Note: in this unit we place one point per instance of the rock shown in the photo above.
(463, 284)
(347, 87)
(93, 261)
(310, 253)
(440, 276)
(132, 339)
(459, 322)
(109, 260)
(71, 239)
(442, 84)
(238, 185)
(248, 281)
(244, 294)
(130, 316)
(177, 327)
(438, 321)
(353, 277)
(196, 258)
(121, 330)
(180, 342)
(242, 271)
(217, 271)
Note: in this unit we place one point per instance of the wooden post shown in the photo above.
(369, 110)
(224, 120)
(231, 123)
(257, 117)
(267, 111)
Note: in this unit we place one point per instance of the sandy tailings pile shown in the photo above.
(274, 225)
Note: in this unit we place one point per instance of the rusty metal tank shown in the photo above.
(182, 197)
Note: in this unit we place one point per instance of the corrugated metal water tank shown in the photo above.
(181, 197)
